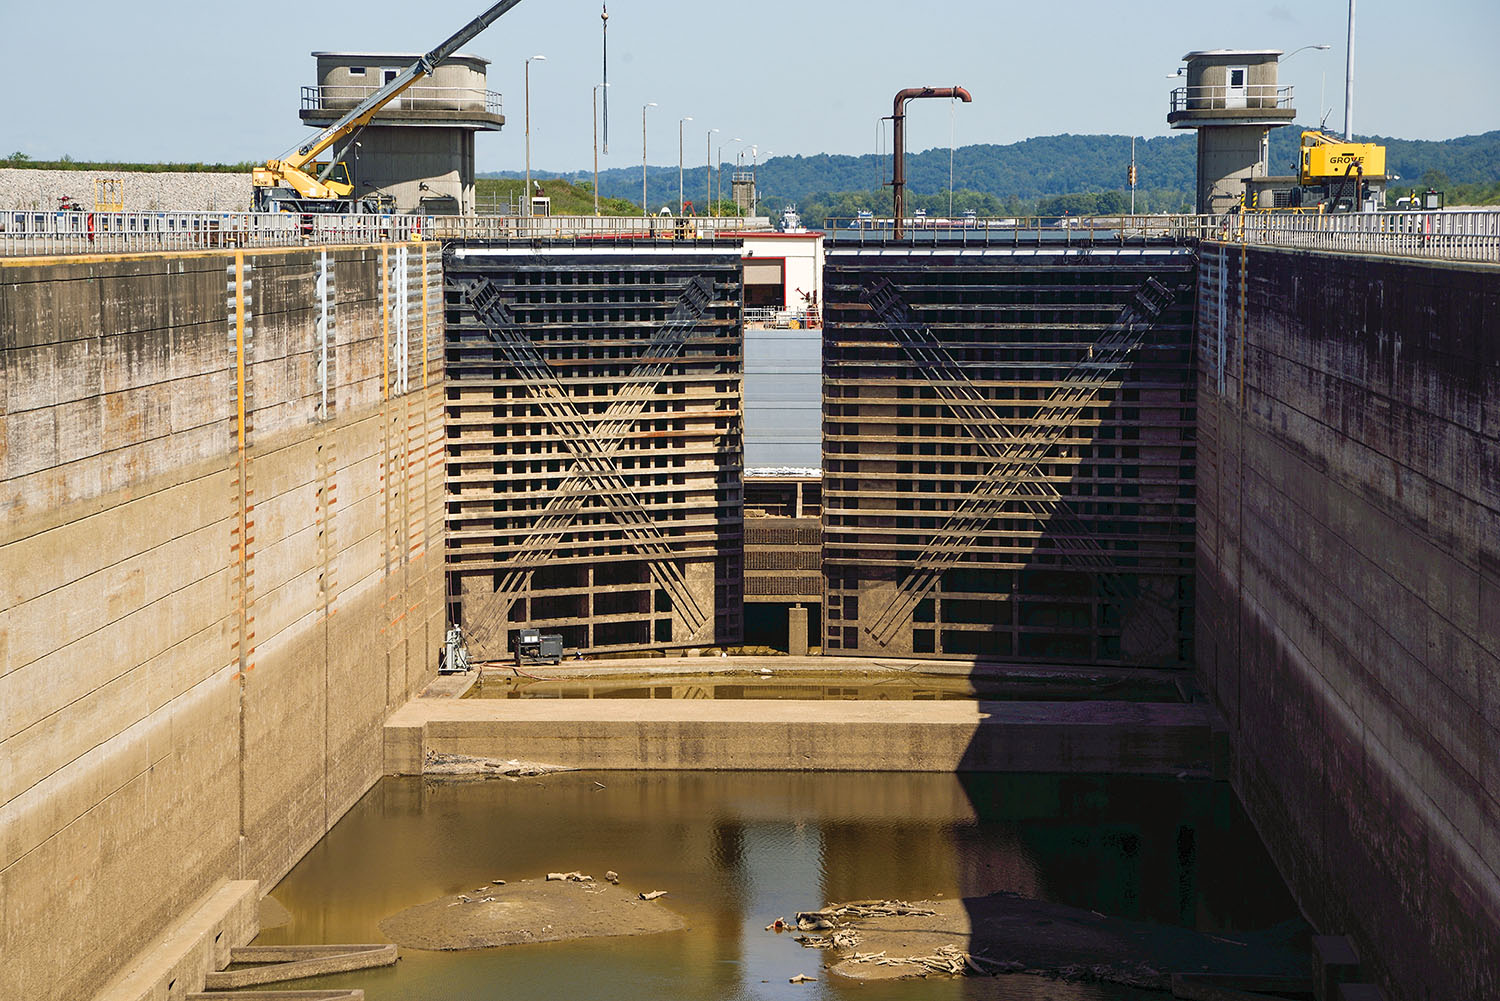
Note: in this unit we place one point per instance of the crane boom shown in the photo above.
(292, 172)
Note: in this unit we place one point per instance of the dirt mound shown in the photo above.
(529, 910)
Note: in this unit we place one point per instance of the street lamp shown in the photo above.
(720, 162)
(1322, 84)
(755, 181)
(679, 162)
(644, 209)
(527, 203)
(596, 142)
(708, 163)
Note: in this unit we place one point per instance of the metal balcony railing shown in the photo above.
(32, 233)
(1263, 96)
(339, 99)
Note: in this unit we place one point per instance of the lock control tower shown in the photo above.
(1232, 98)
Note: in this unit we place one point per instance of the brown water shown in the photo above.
(736, 850)
(894, 688)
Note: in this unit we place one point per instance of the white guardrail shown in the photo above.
(34, 233)
(1448, 235)
(1452, 235)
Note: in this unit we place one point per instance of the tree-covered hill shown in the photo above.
(1043, 172)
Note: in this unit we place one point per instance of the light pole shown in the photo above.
(1349, 81)
(645, 210)
(708, 164)
(680, 121)
(527, 203)
(754, 180)
(720, 162)
(1320, 48)
(596, 142)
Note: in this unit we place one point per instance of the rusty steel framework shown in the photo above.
(594, 418)
(1008, 453)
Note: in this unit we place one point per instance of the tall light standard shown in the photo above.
(754, 180)
(1349, 81)
(680, 121)
(527, 202)
(596, 142)
(708, 164)
(645, 210)
(1320, 48)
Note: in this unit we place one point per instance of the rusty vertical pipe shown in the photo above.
(898, 144)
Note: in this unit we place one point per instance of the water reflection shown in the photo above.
(887, 688)
(736, 850)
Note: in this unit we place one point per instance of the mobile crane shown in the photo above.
(1339, 176)
(300, 182)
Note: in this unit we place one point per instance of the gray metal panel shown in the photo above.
(783, 398)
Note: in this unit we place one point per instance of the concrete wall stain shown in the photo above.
(197, 648)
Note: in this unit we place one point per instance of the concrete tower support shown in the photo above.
(1233, 100)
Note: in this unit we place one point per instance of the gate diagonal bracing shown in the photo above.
(594, 418)
(1008, 455)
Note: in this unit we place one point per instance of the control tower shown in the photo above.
(1233, 100)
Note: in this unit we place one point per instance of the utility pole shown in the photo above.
(645, 209)
(679, 163)
(596, 142)
(708, 160)
(1132, 175)
(526, 204)
(604, 18)
(1349, 81)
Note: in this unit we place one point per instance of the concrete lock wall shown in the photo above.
(220, 570)
(1349, 592)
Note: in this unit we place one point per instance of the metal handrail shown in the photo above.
(591, 227)
(1221, 97)
(37, 234)
(1449, 234)
(342, 97)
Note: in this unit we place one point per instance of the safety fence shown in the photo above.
(30, 233)
(337, 99)
(1451, 235)
(510, 227)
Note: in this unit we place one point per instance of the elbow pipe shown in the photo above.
(898, 144)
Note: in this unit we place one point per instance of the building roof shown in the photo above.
(1224, 53)
(407, 57)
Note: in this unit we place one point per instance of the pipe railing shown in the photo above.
(592, 227)
(35, 233)
(1450, 234)
(1263, 96)
(340, 98)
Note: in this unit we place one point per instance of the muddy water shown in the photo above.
(737, 850)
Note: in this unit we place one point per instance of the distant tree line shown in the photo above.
(1047, 175)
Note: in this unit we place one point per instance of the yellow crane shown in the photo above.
(299, 182)
(1338, 175)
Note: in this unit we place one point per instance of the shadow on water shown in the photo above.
(737, 850)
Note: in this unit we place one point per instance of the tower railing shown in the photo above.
(1222, 97)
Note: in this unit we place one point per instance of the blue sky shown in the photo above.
(176, 80)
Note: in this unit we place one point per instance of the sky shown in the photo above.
(220, 82)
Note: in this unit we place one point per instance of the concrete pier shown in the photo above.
(1125, 737)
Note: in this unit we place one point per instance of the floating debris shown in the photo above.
(653, 895)
(802, 978)
(573, 877)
